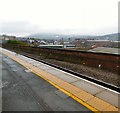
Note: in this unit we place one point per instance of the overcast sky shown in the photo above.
(85, 17)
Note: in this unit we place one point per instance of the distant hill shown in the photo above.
(113, 37)
(57, 36)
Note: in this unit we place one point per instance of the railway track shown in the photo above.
(91, 79)
(107, 61)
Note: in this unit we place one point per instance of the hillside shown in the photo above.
(113, 37)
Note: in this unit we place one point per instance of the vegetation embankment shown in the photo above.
(18, 42)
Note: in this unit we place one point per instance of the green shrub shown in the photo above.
(16, 42)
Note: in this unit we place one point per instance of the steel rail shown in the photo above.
(91, 79)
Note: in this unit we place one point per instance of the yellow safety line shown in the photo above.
(63, 90)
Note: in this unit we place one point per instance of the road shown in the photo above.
(22, 90)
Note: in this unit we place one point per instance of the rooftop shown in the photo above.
(106, 50)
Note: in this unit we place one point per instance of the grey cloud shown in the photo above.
(18, 27)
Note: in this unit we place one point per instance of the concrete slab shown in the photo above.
(84, 96)
(43, 67)
(26, 59)
(67, 77)
(53, 71)
(64, 76)
(30, 61)
(98, 104)
(70, 88)
(109, 97)
(110, 109)
(36, 64)
(88, 87)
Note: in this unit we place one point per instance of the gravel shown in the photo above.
(106, 76)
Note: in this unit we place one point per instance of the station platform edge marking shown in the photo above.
(58, 87)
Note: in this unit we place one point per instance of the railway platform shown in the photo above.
(93, 96)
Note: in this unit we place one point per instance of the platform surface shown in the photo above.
(91, 95)
(23, 90)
